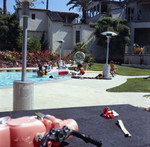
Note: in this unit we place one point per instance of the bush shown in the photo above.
(33, 58)
(34, 44)
(80, 47)
(9, 58)
(118, 42)
(89, 59)
(9, 30)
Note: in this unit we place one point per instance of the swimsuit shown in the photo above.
(83, 73)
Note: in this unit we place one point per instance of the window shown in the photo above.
(33, 16)
(77, 36)
(130, 13)
(104, 8)
(94, 10)
(98, 7)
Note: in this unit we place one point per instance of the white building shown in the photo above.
(57, 26)
(137, 12)
(64, 25)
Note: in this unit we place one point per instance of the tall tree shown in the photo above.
(9, 30)
(47, 2)
(4, 7)
(118, 42)
(33, 4)
(1, 11)
(82, 5)
(18, 4)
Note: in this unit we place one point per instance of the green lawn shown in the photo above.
(96, 67)
(122, 70)
(132, 85)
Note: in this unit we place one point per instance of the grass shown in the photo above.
(122, 70)
(132, 71)
(96, 67)
(133, 85)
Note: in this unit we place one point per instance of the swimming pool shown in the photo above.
(7, 78)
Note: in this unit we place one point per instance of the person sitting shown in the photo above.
(81, 69)
(50, 67)
(46, 70)
(64, 66)
(112, 68)
(80, 72)
(40, 71)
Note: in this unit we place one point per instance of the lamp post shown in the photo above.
(106, 67)
(25, 15)
(60, 61)
(23, 90)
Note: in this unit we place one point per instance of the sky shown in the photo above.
(54, 5)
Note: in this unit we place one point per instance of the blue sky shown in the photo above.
(54, 5)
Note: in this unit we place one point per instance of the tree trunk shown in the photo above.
(83, 15)
(4, 7)
(47, 4)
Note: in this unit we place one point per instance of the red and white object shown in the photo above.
(4, 132)
(58, 72)
(63, 72)
(29, 131)
(23, 131)
(109, 113)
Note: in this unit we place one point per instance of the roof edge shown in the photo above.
(37, 9)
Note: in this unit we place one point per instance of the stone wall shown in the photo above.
(137, 59)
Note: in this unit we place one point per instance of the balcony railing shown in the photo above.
(136, 19)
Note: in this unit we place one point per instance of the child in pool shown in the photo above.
(40, 71)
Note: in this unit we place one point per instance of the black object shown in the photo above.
(59, 135)
(136, 120)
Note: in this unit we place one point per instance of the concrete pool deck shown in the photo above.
(77, 92)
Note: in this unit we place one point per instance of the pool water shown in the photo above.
(7, 78)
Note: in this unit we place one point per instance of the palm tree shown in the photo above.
(4, 7)
(82, 5)
(33, 4)
(47, 4)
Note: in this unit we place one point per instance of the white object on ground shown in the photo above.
(120, 123)
(115, 113)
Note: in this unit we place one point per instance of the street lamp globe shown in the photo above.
(109, 33)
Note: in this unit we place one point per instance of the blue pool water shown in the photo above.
(7, 78)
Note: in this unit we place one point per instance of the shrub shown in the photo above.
(89, 59)
(34, 44)
(9, 58)
(33, 58)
